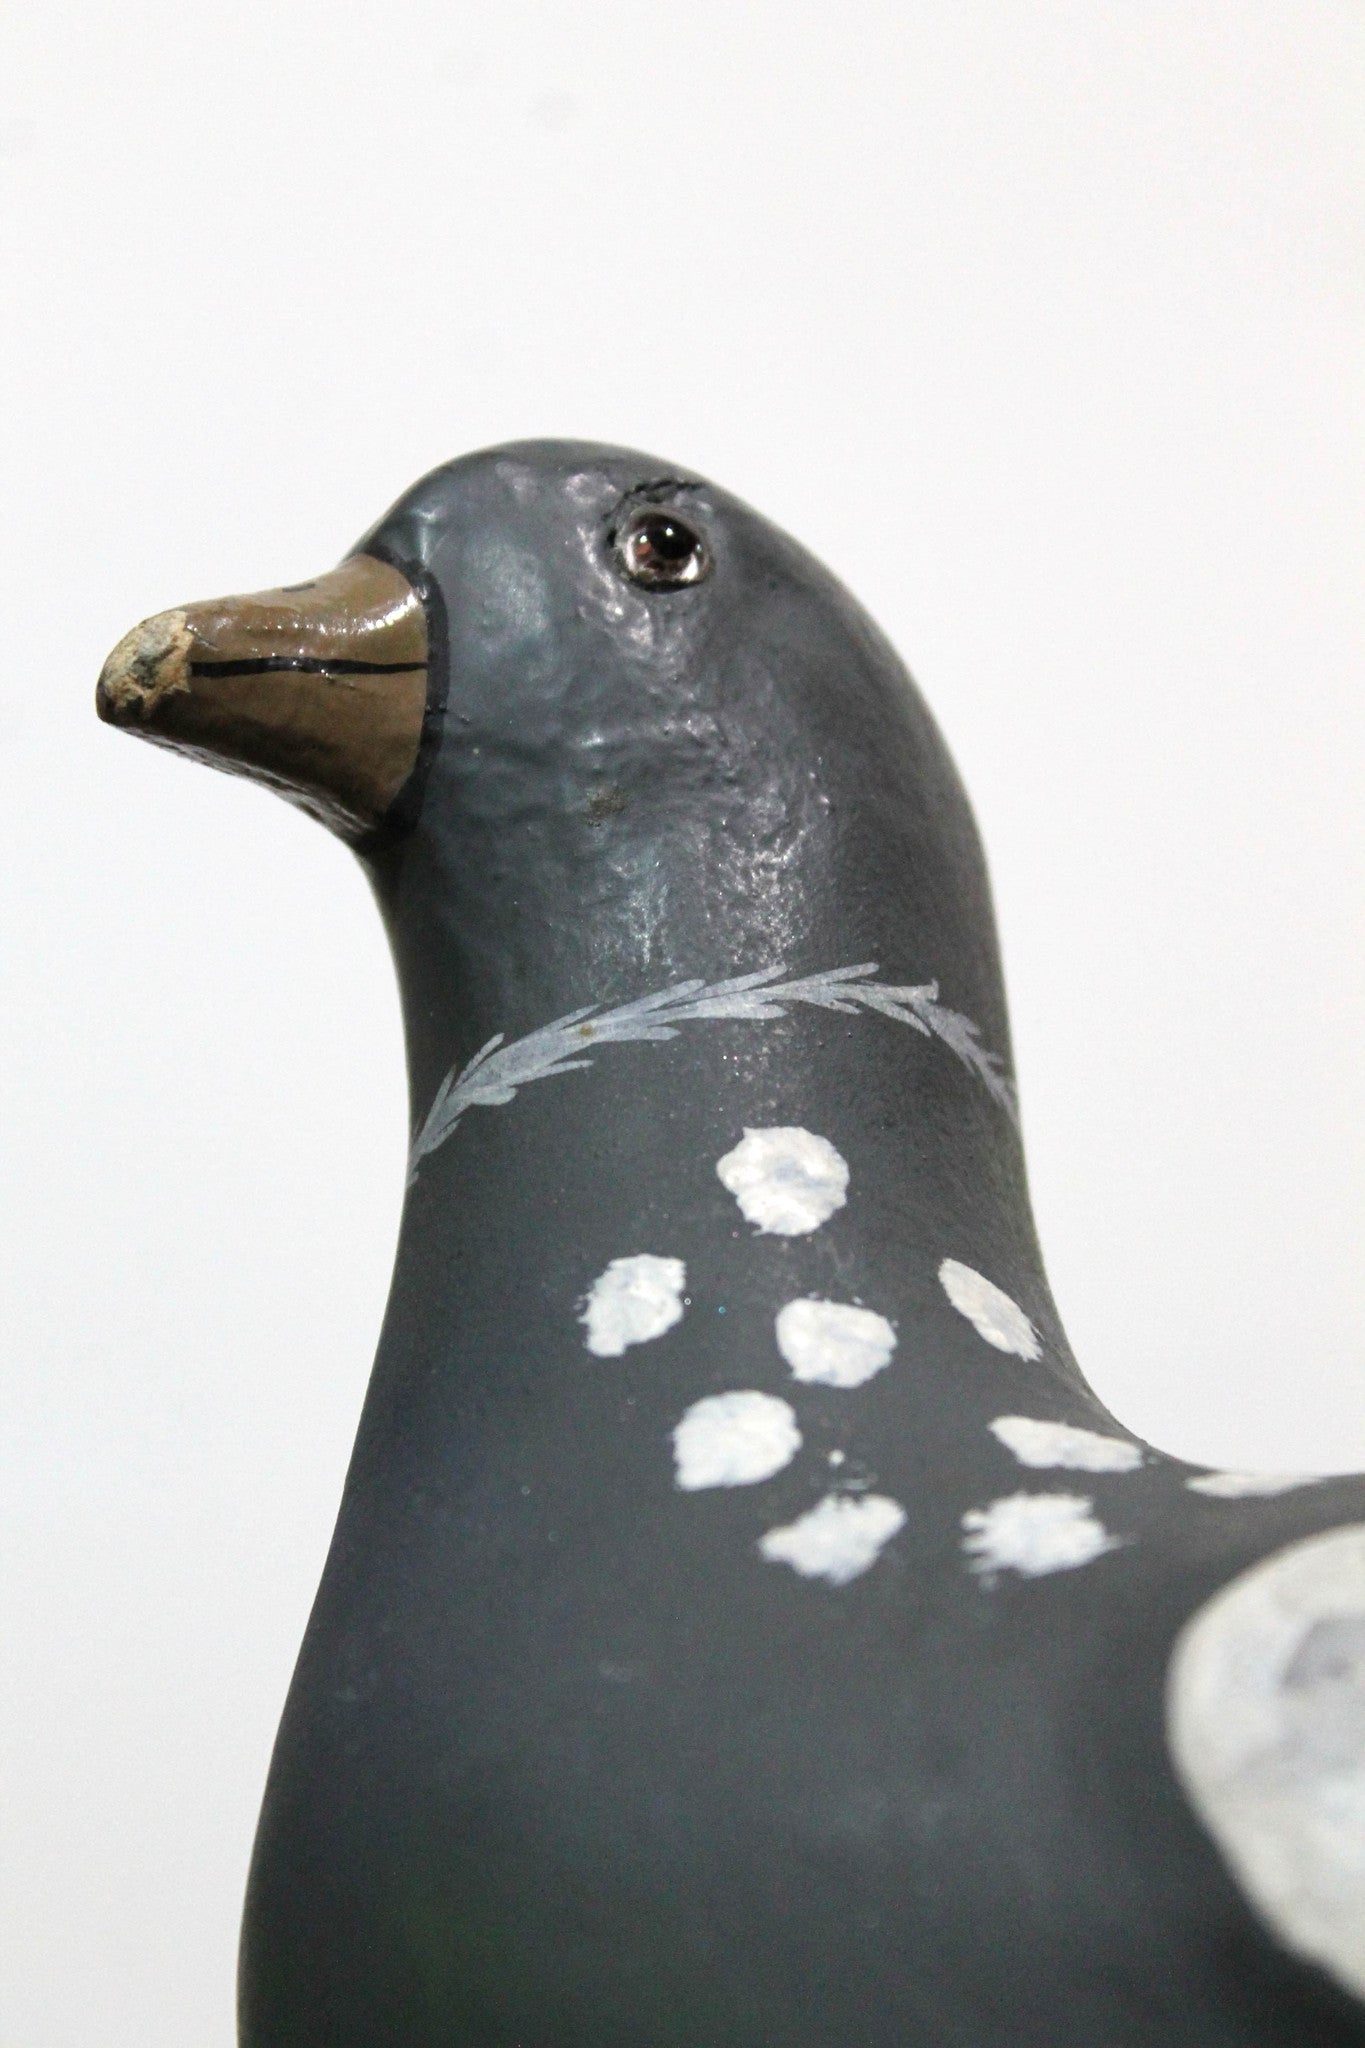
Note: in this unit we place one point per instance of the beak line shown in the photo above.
(318, 690)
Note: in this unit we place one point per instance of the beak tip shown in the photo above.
(151, 662)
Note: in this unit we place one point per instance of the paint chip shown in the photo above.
(1061, 1445)
(998, 1319)
(833, 1343)
(1251, 1485)
(734, 1440)
(1034, 1533)
(635, 1299)
(838, 1539)
(1265, 1712)
(787, 1181)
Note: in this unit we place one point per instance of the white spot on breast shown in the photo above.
(833, 1343)
(1265, 1709)
(734, 1440)
(837, 1540)
(1250, 1485)
(1034, 1533)
(998, 1319)
(786, 1180)
(1060, 1444)
(635, 1299)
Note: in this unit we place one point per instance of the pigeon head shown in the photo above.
(592, 724)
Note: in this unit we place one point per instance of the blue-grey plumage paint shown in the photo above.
(663, 1690)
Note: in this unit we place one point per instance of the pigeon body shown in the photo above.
(743, 1624)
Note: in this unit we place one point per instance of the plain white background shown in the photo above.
(1041, 321)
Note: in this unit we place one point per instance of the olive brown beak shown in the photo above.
(318, 689)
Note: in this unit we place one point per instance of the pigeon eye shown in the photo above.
(662, 552)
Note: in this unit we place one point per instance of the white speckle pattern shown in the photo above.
(1034, 1533)
(635, 1299)
(838, 1539)
(1265, 1707)
(832, 1343)
(1060, 1445)
(786, 1180)
(1250, 1485)
(996, 1318)
(734, 1440)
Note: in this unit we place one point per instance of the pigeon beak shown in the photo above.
(318, 689)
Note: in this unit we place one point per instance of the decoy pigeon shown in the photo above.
(744, 1628)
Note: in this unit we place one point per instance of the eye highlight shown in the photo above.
(662, 552)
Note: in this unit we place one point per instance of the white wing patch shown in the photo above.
(1034, 1533)
(786, 1180)
(1061, 1445)
(635, 1299)
(837, 1540)
(833, 1343)
(1266, 1720)
(734, 1440)
(1250, 1485)
(996, 1318)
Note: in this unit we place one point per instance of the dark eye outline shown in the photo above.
(654, 570)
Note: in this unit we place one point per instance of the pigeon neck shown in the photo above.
(506, 919)
(643, 1047)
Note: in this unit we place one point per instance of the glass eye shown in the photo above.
(662, 552)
